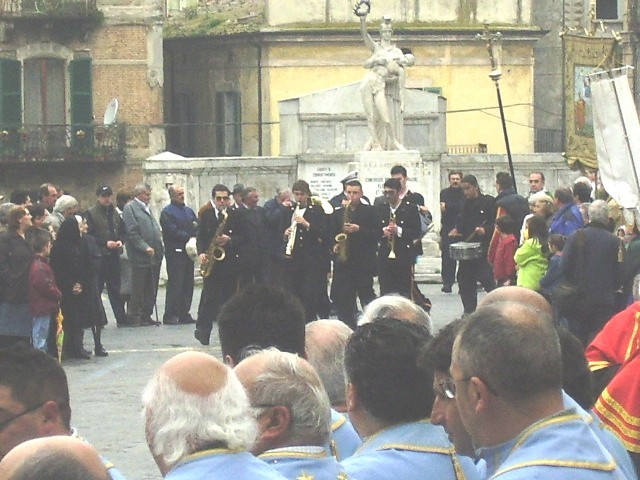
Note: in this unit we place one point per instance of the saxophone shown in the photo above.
(291, 242)
(215, 253)
(341, 239)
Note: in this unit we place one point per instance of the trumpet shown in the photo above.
(342, 238)
(392, 240)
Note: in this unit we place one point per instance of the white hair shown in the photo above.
(65, 202)
(325, 343)
(286, 381)
(395, 306)
(599, 211)
(540, 197)
(180, 423)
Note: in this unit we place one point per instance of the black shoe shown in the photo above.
(101, 352)
(79, 354)
(446, 289)
(170, 321)
(202, 337)
(186, 320)
(149, 322)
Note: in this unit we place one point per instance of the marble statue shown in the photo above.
(382, 88)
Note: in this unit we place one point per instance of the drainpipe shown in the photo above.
(259, 48)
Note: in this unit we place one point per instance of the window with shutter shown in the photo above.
(229, 124)
(10, 104)
(81, 101)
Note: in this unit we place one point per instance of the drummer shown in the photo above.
(475, 224)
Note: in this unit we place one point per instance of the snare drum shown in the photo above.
(465, 250)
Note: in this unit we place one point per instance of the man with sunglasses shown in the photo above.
(219, 230)
(399, 227)
(34, 399)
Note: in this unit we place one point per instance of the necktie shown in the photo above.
(220, 216)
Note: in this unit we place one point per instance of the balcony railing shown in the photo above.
(467, 149)
(48, 8)
(68, 143)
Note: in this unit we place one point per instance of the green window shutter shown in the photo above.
(81, 100)
(10, 93)
(436, 90)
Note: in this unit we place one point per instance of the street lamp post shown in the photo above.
(494, 47)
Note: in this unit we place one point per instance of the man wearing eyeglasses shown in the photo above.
(219, 239)
(399, 227)
(34, 399)
(506, 377)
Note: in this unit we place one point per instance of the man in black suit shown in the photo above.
(219, 272)
(305, 230)
(254, 251)
(399, 222)
(354, 266)
(475, 224)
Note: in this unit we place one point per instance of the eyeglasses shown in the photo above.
(221, 198)
(10, 420)
(448, 387)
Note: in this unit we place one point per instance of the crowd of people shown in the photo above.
(561, 245)
(503, 393)
(506, 391)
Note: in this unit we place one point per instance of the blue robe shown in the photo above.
(606, 437)
(295, 465)
(222, 464)
(410, 451)
(559, 447)
(344, 439)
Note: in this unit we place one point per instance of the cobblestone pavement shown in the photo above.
(105, 392)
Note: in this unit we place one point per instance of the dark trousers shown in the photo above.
(585, 321)
(275, 271)
(144, 288)
(395, 276)
(216, 290)
(470, 272)
(109, 275)
(180, 274)
(304, 282)
(448, 264)
(349, 282)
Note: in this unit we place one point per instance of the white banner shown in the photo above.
(617, 136)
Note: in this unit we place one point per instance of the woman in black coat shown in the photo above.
(72, 263)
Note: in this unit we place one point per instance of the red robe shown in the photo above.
(619, 404)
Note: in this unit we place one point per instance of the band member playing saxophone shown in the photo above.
(220, 238)
(399, 227)
(355, 236)
(304, 230)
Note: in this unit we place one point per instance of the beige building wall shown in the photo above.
(460, 69)
(282, 12)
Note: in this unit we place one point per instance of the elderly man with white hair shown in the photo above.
(199, 423)
(591, 260)
(292, 409)
(398, 307)
(65, 206)
(325, 342)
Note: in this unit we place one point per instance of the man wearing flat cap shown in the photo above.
(106, 226)
(236, 194)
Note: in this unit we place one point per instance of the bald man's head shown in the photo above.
(325, 342)
(196, 373)
(193, 402)
(53, 458)
(518, 295)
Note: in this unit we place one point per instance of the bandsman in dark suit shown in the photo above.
(475, 224)
(220, 237)
(305, 233)
(253, 261)
(399, 227)
(355, 236)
